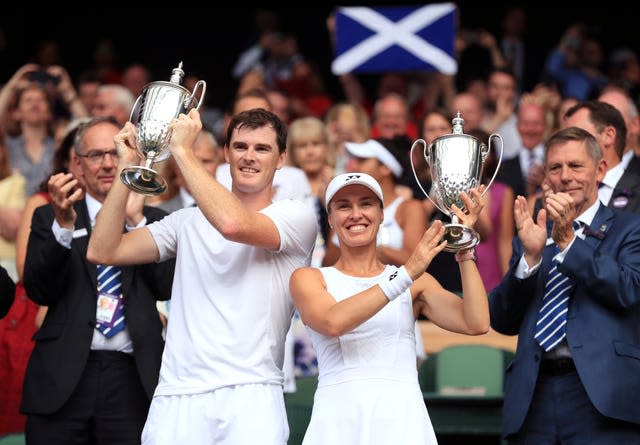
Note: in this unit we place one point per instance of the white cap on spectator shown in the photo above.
(374, 149)
(347, 179)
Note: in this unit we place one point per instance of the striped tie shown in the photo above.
(551, 326)
(109, 283)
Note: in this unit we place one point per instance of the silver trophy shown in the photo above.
(456, 164)
(158, 104)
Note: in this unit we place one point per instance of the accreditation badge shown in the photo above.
(107, 305)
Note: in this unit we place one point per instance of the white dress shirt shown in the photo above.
(609, 182)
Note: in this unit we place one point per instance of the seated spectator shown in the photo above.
(575, 63)
(346, 122)
(115, 101)
(391, 118)
(29, 140)
(135, 77)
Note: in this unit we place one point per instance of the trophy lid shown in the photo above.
(458, 124)
(177, 74)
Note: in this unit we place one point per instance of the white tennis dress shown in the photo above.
(368, 391)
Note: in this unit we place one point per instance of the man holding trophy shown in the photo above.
(221, 376)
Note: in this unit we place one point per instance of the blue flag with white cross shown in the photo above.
(399, 38)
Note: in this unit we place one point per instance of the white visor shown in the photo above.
(374, 149)
(346, 179)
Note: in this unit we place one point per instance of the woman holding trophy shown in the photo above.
(360, 314)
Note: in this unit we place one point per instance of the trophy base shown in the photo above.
(143, 180)
(459, 237)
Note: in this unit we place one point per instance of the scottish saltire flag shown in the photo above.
(403, 38)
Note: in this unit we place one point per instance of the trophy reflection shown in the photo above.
(456, 164)
(158, 104)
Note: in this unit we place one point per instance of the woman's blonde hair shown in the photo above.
(306, 128)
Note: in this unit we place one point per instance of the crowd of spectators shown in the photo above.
(501, 87)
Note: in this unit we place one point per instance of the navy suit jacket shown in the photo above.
(65, 281)
(603, 326)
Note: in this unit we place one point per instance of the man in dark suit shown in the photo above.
(629, 184)
(524, 172)
(84, 386)
(7, 292)
(576, 376)
(620, 187)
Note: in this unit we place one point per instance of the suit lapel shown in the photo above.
(127, 273)
(602, 222)
(127, 278)
(82, 243)
(547, 255)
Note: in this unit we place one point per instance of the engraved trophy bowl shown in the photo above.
(456, 164)
(158, 104)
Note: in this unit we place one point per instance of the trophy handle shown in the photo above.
(135, 110)
(415, 175)
(203, 85)
(495, 135)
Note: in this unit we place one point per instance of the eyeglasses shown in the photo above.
(97, 156)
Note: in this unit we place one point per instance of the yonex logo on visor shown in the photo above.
(347, 179)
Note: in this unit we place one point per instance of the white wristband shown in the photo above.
(395, 284)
